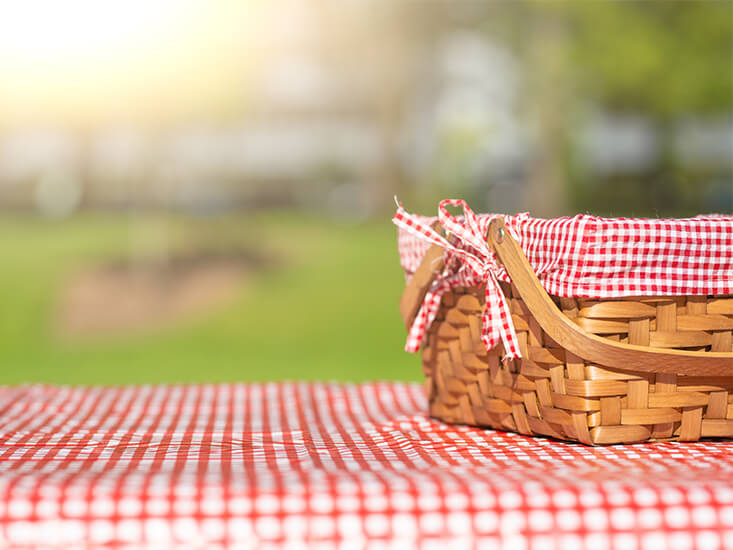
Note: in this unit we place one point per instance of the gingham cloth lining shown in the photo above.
(282, 465)
(582, 256)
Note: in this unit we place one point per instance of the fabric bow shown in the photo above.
(496, 318)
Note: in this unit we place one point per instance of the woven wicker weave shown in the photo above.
(629, 385)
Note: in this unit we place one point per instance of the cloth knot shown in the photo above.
(474, 255)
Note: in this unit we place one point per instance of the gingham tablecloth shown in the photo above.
(332, 466)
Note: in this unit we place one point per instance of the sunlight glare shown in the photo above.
(92, 58)
(43, 32)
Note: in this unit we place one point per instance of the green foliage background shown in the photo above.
(326, 309)
(667, 61)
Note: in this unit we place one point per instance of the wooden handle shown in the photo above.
(589, 346)
(418, 285)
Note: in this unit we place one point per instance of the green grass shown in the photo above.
(326, 309)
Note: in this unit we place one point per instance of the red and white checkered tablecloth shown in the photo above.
(285, 465)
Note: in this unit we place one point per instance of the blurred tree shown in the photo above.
(661, 62)
(665, 60)
(549, 96)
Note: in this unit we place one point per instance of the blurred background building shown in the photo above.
(142, 118)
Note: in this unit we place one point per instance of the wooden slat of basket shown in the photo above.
(611, 410)
(678, 399)
(691, 427)
(604, 435)
(573, 403)
(602, 326)
(704, 322)
(717, 428)
(723, 306)
(717, 406)
(649, 416)
(659, 339)
(639, 330)
(468, 303)
(722, 341)
(595, 388)
(594, 372)
(602, 310)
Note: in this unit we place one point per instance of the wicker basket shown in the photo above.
(594, 371)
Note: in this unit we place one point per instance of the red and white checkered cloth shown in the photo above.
(333, 466)
(582, 256)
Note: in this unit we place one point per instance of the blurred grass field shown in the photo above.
(325, 309)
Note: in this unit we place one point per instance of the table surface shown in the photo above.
(336, 466)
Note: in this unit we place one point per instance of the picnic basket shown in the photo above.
(598, 371)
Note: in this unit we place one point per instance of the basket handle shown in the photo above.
(417, 287)
(420, 281)
(589, 346)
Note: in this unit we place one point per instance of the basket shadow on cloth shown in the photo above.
(604, 371)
